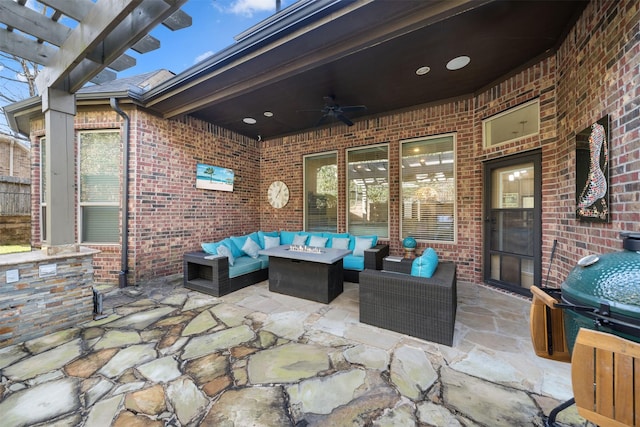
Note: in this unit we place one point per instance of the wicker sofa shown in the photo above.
(416, 306)
(213, 275)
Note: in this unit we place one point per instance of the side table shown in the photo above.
(398, 266)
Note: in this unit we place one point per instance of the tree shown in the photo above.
(210, 171)
(17, 82)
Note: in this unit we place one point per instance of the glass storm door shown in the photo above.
(512, 254)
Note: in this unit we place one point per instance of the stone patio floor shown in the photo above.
(167, 356)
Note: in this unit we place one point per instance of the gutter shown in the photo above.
(124, 266)
(284, 22)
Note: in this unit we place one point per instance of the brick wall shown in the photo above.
(595, 72)
(168, 215)
(599, 74)
(21, 160)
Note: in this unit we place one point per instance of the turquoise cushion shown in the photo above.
(352, 262)
(244, 265)
(238, 242)
(211, 247)
(352, 242)
(264, 261)
(286, 237)
(241, 240)
(261, 235)
(235, 251)
(426, 264)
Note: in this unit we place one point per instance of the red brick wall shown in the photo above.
(591, 75)
(599, 71)
(168, 215)
(282, 159)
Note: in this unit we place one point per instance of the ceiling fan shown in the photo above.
(331, 110)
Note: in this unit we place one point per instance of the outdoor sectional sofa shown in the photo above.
(207, 271)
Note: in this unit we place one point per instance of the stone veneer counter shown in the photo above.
(41, 293)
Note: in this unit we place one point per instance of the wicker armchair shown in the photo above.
(416, 306)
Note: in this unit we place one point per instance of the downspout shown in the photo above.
(124, 266)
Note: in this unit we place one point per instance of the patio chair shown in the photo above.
(605, 375)
(547, 326)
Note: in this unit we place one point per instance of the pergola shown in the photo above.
(77, 42)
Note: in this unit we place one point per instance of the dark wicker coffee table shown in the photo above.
(313, 276)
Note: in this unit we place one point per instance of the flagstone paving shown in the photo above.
(167, 356)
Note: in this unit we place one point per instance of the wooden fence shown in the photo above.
(15, 196)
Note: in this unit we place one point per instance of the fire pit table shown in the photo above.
(306, 272)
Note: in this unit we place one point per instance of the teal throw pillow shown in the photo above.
(211, 247)
(235, 250)
(426, 264)
(251, 248)
(362, 243)
(225, 251)
(318, 242)
(286, 237)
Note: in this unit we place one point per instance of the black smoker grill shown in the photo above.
(603, 292)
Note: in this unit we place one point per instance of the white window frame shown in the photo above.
(402, 235)
(362, 148)
(304, 184)
(79, 192)
(43, 200)
(516, 121)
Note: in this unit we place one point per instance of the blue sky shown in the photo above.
(215, 24)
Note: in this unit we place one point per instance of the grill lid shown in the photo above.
(611, 278)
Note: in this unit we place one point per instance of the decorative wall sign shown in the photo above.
(214, 178)
(592, 172)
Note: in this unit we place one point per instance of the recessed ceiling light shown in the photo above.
(268, 114)
(457, 63)
(422, 71)
(249, 120)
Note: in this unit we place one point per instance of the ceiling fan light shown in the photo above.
(458, 63)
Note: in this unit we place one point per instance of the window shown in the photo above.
(43, 189)
(368, 191)
(321, 192)
(429, 189)
(99, 186)
(516, 123)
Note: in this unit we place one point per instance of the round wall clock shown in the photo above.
(278, 194)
